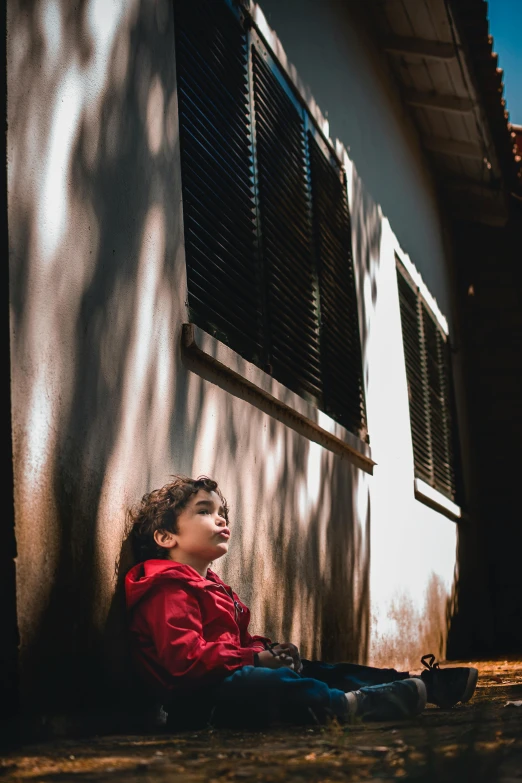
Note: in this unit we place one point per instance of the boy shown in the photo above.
(191, 641)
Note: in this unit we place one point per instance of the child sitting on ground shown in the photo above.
(191, 641)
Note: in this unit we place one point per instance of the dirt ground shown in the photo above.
(478, 742)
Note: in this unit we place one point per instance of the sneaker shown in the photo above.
(446, 687)
(399, 699)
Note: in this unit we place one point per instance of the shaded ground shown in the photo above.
(478, 742)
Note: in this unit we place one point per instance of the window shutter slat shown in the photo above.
(340, 339)
(217, 174)
(415, 374)
(440, 406)
(286, 237)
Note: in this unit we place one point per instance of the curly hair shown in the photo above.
(160, 509)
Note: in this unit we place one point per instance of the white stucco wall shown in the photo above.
(413, 548)
(104, 406)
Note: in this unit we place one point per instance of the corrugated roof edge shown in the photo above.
(471, 18)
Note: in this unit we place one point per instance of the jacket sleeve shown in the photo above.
(256, 643)
(174, 618)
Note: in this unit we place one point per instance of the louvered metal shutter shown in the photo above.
(438, 384)
(286, 235)
(217, 174)
(428, 372)
(340, 338)
(415, 374)
(265, 213)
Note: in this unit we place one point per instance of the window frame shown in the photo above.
(259, 34)
(211, 358)
(426, 491)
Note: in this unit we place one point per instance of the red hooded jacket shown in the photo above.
(187, 630)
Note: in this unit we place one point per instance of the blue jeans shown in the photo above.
(255, 697)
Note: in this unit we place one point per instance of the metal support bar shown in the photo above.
(478, 189)
(465, 149)
(428, 100)
(433, 50)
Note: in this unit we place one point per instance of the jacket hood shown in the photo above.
(144, 576)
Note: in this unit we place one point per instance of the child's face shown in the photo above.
(202, 528)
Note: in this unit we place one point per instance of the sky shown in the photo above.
(505, 25)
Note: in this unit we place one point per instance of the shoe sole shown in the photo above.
(470, 685)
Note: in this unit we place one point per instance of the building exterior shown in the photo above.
(238, 242)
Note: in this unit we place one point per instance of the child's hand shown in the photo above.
(273, 660)
(288, 649)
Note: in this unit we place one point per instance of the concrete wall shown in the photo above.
(105, 407)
